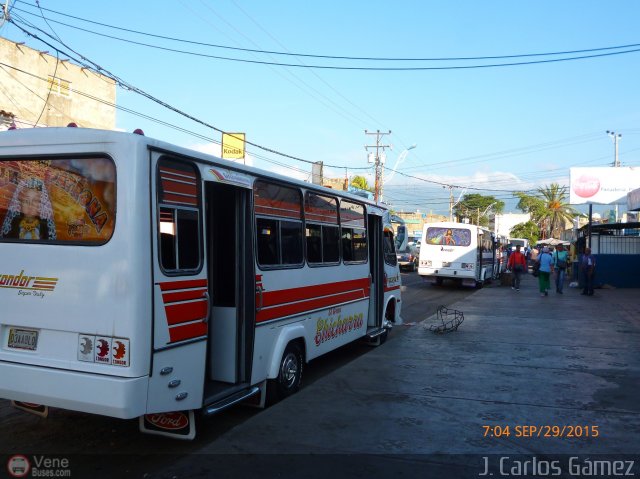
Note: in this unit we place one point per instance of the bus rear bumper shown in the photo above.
(119, 397)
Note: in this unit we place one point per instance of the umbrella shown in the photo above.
(552, 242)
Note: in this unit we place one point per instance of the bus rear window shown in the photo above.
(448, 236)
(70, 200)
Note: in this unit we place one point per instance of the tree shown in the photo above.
(532, 205)
(476, 207)
(557, 211)
(361, 182)
(528, 230)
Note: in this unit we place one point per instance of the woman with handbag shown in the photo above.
(560, 260)
(517, 264)
(544, 271)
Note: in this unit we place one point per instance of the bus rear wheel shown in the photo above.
(289, 374)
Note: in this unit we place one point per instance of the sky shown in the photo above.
(488, 130)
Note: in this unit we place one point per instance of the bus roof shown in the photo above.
(43, 137)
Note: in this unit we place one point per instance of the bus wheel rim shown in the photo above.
(289, 370)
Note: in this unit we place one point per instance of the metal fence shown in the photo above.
(607, 244)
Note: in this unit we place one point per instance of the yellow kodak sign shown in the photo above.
(233, 146)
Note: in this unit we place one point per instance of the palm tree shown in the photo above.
(557, 211)
(361, 182)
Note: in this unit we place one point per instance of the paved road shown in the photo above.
(70, 432)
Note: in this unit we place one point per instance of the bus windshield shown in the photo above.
(448, 236)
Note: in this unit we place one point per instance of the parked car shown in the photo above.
(408, 258)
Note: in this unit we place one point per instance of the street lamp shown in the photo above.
(401, 158)
(615, 137)
(616, 163)
(484, 212)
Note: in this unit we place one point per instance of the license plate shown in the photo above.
(445, 264)
(23, 339)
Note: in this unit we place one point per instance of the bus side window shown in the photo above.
(389, 251)
(267, 241)
(179, 216)
(291, 238)
(278, 212)
(322, 232)
(354, 233)
(330, 244)
(347, 244)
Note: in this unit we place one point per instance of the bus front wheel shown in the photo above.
(289, 374)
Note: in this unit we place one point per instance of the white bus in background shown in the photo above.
(502, 256)
(144, 280)
(458, 251)
(522, 242)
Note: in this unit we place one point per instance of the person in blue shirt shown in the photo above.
(546, 268)
(588, 267)
(560, 261)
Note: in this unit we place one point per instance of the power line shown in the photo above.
(358, 68)
(128, 86)
(331, 57)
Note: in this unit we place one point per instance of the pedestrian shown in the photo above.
(533, 257)
(588, 267)
(560, 261)
(545, 270)
(517, 264)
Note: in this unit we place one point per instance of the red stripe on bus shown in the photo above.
(192, 283)
(171, 186)
(187, 331)
(183, 295)
(392, 288)
(190, 175)
(184, 312)
(183, 200)
(273, 298)
(308, 305)
(263, 210)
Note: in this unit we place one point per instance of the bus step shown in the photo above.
(374, 333)
(230, 401)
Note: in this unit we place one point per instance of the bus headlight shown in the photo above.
(426, 262)
(468, 265)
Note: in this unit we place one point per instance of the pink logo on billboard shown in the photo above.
(169, 420)
(18, 466)
(586, 186)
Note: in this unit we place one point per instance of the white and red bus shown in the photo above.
(141, 279)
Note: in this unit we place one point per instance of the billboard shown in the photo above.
(233, 146)
(605, 185)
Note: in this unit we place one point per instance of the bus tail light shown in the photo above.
(468, 265)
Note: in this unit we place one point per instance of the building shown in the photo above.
(503, 222)
(38, 89)
(415, 222)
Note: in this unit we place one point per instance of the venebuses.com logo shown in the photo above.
(20, 465)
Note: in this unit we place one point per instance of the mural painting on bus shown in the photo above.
(57, 200)
(448, 236)
(335, 325)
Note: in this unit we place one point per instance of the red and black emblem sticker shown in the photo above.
(174, 423)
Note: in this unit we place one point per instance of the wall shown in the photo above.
(27, 96)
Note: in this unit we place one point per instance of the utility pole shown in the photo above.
(377, 195)
(450, 202)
